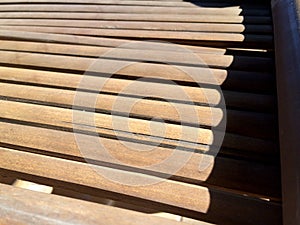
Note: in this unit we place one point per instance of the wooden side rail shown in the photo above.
(287, 46)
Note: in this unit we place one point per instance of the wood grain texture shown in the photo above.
(258, 124)
(50, 52)
(19, 206)
(232, 11)
(215, 4)
(96, 41)
(254, 178)
(231, 79)
(249, 101)
(126, 52)
(198, 199)
(168, 26)
(147, 34)
(140, 17)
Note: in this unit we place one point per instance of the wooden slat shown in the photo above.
(96, 41)
(176, 132)
(257, 102)
(36, 136)
(114, 85)
(63, 118)
(256, 179)
(84, 64)
(184, 57)
(140, 17)
(145, 3)
(189, 197)
(256, 124)
(146, 34)
(125, 9)
(19, 206)
(158, 191)
(233, 79)
(170, 26)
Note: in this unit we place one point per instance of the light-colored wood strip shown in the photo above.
(186, 196)
(118, 104)
(97, 41)
(253, 124)
(116, 86)
(171, 26)
(123, 9)
(255, 178)
(256, 124)
(103, 123)
(148, 70)
(134, 128)
(144, 34)
(191, 197)
(113, 151)
(24, 207)
(184, 57)
(255, 10)
(251, 101)
(240, 79)
(140, 17)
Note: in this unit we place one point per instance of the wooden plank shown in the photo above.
(19, 206)
(250, 101)
(148, 34)
(84, 64)
(253, 122)
(158, 191)
(217, 202)
(178, 58)
(187, 197)
(257, 10)
(96, 41)
(257, 179)
(233, 79)
(63, 118)
(63, 7)
(114, 85)
(171, 26)
(258, 125)
(140, 17)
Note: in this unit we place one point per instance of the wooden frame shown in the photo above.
(287, 48)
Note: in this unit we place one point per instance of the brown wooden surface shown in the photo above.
(209, 60)
(146, 34)
(45, 49)
(174, 3)
(175, 26)
(146, 108)
(197, 200)
(18, 207)
(129, 9)
(62, 143)
(92, 41)
(255, 102)
(230, 79)
(140, 17)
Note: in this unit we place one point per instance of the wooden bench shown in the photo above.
(49, 48)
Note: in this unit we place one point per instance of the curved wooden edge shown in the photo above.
(287, 46)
